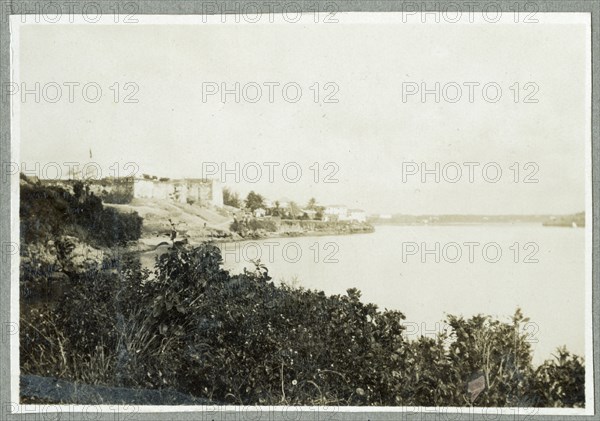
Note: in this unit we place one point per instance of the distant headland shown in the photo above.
(576, 220)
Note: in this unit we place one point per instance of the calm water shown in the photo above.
(388, 266)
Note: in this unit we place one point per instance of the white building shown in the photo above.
(335, 213)
(357, 215)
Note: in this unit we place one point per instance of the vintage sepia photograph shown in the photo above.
(337, 210)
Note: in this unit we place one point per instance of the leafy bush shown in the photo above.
(192, 326)
(49, 212)
(252, 226)
(500, 350)
(561, 382)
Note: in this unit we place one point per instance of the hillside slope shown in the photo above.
(191, 222)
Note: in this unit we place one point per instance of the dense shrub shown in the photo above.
(249, 341)
(561, 382)
(82, 337)
(500, 350)
(48, 212)
(253, 226)
(240, 339)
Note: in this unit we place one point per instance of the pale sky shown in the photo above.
(368, 133)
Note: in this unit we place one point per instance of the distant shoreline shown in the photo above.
(442, 224)
(569, 220)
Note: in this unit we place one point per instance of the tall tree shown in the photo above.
(254, 201)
